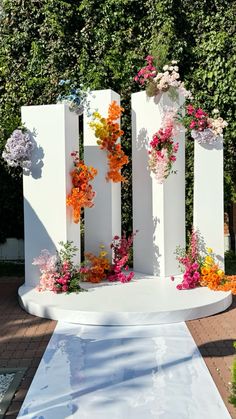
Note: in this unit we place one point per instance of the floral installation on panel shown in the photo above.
(58, 272)
(76, 97)
(18, 149)
(157, 79)
(163, 149)
(203, 129)
(201, 269)
(82, 193)
(108, 131)
(98, 268)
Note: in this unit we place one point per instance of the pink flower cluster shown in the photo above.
(161, 79)
(199, 119)
(204, 129)
(191, 275)
(63, 278)
(191, 261)
(58, 272)
(121, 247)
(47, 266)
(147, 72)
(163, 150)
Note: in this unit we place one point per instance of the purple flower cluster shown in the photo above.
(18, 150)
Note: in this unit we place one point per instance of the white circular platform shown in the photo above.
(144, 300)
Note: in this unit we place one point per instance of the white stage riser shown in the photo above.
(145, 300)
(208, 213)
(103, 221)
(47, 220)
(158, 209)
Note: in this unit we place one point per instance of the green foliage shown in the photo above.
(232, 398)
(230, 263)
(102, 44)
(14, 269)
(67, 251)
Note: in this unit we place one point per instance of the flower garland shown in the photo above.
(108, 131)
(18, 149)
(82, 194)
(200, 268)
(157, 80)
(163, 150)
(58, 272)
(203, 129)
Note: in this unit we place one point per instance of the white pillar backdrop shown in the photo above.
(47, 220)
(103, 221)
(208, 213)
(158, 209)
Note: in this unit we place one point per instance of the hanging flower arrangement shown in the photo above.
(107, 130)
(201, 269)
(82, 193)
(18, 149)
(157, 80)
(203, 129)
(163, 149)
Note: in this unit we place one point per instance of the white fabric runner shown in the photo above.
(128, 372)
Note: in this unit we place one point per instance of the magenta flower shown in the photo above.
(190, 109)
(200, 113)
(196, 276)
(195, 266)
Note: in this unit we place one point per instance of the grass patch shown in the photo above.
(232, 398)
(12, 268)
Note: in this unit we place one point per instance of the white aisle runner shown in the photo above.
(130, 372)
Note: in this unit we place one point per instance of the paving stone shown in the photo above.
(21, 339)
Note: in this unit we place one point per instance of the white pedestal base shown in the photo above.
(145, 300)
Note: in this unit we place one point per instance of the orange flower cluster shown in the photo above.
(211, 276)
(98, 269)
(108, 131)
(229, 284)
(215, 279)
(82, 194)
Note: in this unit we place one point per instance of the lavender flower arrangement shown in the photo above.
(18, 149)
(76, 98)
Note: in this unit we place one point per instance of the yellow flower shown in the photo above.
(209, 260)
(220, 273)
(102, 246)
(209, 250)
(102, 254)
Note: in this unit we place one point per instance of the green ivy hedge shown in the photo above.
(102, 44)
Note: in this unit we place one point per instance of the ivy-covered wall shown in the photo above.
(102, 43)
